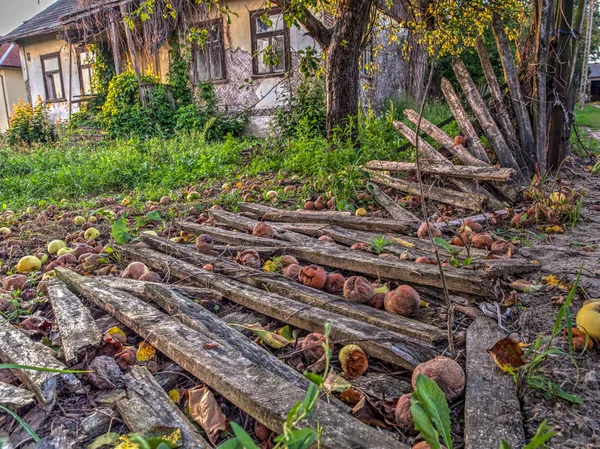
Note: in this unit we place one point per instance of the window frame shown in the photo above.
(206, 24)
(43, 59)
(80, 68)
(254, 36)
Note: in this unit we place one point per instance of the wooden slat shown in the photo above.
(148, 406)
(19, 349)
(138, 288)
(463, 121)
(198, 318)
(460, 199)
(266, 397)
(454, 171)
(77, 328)
(396, 211)
(281, 285)
(466, 185)
(385, 345)
(347, 221)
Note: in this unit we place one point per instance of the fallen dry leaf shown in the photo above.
(579, 340)
(554, 281)
(175, 395)
(335, 383)
(205, 411)
(117, 333)
(524, 286)
(269, 338)
(507, 354)
(351, 396)
(366, 412)
(145, 352)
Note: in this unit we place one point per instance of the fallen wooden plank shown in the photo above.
(454, 171)
(198, 318)
(281, 285)
(466, 185)
(17, 348)
(463, 121)
(15, 397)
(240, 223)
(386, 345)
(485, 119)
(444, 140)
(469, 201)
(147, 406)
(396, 212)
(232, 237)
(499, 109)
(77, 329)
(347, 221)
(138, 288)
(266, 397)
(233, 250)
(492, 409)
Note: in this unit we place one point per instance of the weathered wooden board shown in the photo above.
(241, 223)
(485, 119)
(386, 345)
(147, 406)
(469, 201)
(453, 171)
(463, 121)
(347, 221)
(394, 209)
(138, 288)
(444, 140)
(198, 318)
(15, 397)
(281, 285)
(77, 328)
(17, 348)
(266, 397)
(492, 409)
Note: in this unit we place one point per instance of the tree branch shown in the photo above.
(314, 26)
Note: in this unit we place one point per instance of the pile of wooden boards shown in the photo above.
(169, 317)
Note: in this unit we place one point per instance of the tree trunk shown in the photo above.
(556, 151)
(343, 55)
(541, 79)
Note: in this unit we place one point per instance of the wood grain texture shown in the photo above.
(453, 171)
(289, 288)
(264, 396)
(77, 328)
(18, 348)
(147, 406)
(386, 345)
(396, 211)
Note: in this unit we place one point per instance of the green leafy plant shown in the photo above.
(292, 436)
(379, 243)
(430, 413)
(29, 124)
(454, 261)
(531, 375)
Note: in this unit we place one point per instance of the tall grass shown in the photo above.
(78, 172)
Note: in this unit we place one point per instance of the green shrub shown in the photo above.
(29, 124)
(306, 107)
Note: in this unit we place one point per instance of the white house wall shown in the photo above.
(32, 51)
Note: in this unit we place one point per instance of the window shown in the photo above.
(269, 42)
(53, 77)
(209, 58)
(85, 61)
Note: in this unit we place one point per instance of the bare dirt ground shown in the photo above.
(577, 426)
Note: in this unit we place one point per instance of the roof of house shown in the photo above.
(46, 21)
(594, 70)
(9, 56)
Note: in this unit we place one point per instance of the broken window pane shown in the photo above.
(278, 53)
(262, 50)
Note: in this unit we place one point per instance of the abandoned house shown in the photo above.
(594, 80)
(12, 88)
(57, 65)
